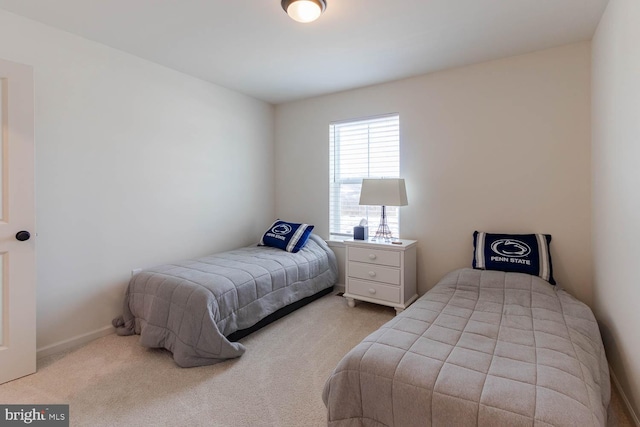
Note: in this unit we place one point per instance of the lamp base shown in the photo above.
(383, 233)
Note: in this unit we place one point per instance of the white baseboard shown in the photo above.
(80, 340)
(625, 400)
(76, 341)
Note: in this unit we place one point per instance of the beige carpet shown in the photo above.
(113, 381)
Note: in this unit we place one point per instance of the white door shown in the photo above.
(17, 216)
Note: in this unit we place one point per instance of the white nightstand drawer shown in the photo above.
(390, 276)
(374, 290)
(375, 256)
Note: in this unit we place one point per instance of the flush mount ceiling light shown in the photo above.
(304, 10)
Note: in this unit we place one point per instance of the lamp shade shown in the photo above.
(383, 192)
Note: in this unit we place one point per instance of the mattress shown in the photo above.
(481, 348)
(190, 307)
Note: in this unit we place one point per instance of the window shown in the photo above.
(367, 148)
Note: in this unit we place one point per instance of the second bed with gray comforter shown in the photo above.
(190, 307)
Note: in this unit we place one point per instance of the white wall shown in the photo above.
(502, 146)
(616, 185)
(136, 165)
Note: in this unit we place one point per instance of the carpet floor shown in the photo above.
(113, 381)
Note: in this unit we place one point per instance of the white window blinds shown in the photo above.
(368, 148)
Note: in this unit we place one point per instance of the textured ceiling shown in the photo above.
(253, 47)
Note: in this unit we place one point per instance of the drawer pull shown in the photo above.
(372, 291)
(372, 273)
(372, 256)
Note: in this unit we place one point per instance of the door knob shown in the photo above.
(23, 235)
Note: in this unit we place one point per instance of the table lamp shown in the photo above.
(384, 192)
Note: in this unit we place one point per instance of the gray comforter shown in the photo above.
(190, 307)
(481, 348)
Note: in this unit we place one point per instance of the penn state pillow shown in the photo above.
(519, 253)
(288, 236)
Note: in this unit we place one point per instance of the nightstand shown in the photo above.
(381, 272)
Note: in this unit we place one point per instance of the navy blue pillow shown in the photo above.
(288, 236)
(519, 253)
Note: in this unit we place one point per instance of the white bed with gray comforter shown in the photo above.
(481, 348)
(190, 307)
